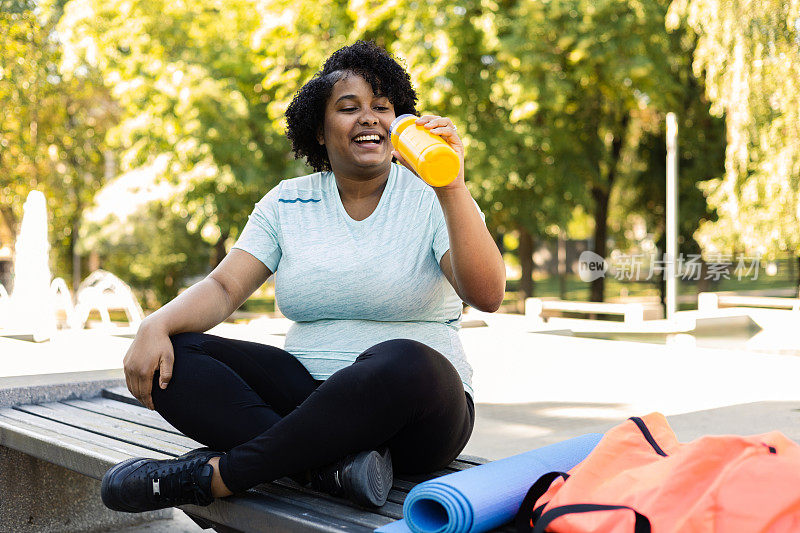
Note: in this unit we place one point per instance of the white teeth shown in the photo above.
(363, 138)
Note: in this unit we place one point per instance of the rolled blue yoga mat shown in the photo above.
(486, 496)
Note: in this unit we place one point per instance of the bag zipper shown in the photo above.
(647, 435)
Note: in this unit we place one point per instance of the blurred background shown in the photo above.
(153, 126)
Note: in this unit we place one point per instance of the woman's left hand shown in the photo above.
(443, 127)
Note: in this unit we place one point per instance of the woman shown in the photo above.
(372, 265)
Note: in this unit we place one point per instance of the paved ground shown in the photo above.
(533, 389)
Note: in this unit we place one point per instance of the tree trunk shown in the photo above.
(219, 249)
(562, 265)
(798, 275)
(94, 262)
(525, 252)
(76, 258)
(703, 283)
(10, 220)
(662, 284)
(600, 234)
(601, 196)
(498, 240)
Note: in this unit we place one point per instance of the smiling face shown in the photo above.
(356, 129)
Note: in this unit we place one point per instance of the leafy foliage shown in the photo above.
(749, 53)
(52, 129)
(583, 79)
(701, 152)
(190, 88)
(559, 103)
(158, 267)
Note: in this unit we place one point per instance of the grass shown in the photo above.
(255, 304)
(578, 290)
(116, 315)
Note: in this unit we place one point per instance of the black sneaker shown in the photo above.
(139, 485)
(365, 478)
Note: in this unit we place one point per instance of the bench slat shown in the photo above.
(72, 448)
(407, 482)
(45, 424)
(397, 495)
(98, 416)
(121, 394)
(124, 411)
(145, 437)
(469, 461)
(255, 511)
(331, 505)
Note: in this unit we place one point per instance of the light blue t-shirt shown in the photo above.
(348, 284)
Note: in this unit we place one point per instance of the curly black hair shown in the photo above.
(306, 114)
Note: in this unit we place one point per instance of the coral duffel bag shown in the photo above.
(640, 479)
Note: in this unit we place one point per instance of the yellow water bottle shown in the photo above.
(430, 155)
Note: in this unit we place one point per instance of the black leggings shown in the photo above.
(259, 404)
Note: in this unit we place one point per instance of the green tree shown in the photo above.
(151, 249)
(163, 86)
(52, 129)
(701, 152)
(190, 87)
(749, 54)
(582, 75)
(543, 93)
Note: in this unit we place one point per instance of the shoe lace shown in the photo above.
(178, 484)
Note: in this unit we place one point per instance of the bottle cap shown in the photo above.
(397, 121)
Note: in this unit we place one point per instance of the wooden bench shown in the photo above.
(542, 308)
(90, 435)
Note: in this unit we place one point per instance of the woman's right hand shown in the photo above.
(199, 308)
(151, 350)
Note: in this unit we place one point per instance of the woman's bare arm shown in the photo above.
(473, 264)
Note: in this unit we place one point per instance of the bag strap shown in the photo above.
(642, 523)
(527, 516)
(647, 435)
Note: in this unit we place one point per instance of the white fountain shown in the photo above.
(31, 310)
